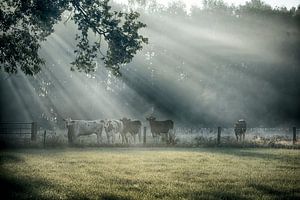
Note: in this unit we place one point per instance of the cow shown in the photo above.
(78, 128)
(240, 129)
(162, 128)
(112, 128)
(132, 127)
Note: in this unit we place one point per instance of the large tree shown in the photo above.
(24, 24)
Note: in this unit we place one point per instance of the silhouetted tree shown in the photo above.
(24, 24)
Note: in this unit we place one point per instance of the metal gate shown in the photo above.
(18, 132)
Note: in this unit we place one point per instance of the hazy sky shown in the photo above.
(286, 3)
(280, 3)
(211, 72)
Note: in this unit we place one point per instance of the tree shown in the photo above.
(25, 23)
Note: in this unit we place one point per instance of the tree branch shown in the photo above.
(80, 9)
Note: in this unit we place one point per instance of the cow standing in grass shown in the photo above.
(162, 128)
(113, 128)
(132, 127)
(240, 129)
(78, 128)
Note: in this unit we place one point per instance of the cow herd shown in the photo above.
(126, 129)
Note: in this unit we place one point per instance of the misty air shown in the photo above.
(147, 99)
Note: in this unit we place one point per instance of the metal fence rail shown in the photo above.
(17, 130)
(219, 134)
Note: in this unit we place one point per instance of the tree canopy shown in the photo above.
(24, 24)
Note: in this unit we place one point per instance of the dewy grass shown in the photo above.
(153, 173)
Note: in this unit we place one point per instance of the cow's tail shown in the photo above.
(140, 134)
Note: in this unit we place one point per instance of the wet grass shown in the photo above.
(150, 173)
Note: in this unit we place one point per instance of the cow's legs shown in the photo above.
(108, 138)
(127, 139)
(113, 138)
(140, 135)
(123, 139)
(134, 138)
(99, 138)
(155, 139)
(158, 138)
(172, 137)
(120, 137)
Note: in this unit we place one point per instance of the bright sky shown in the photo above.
(273, 3)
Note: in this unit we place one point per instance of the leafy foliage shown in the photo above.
(24, 24)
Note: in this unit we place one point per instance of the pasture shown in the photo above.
(150, 173)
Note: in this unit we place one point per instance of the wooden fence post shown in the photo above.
(145, 130)
(33, 131)
(219, 135)
(294, 135)
(44, 138)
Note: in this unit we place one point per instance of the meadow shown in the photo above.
(150, 173)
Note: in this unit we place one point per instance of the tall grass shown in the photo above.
(150, 173)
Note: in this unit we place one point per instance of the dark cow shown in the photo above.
(162, 128)
(240, 129)
(132, 127)
(78, 128)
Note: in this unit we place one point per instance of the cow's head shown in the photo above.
(151, 118)
(125, 120)
(107, 125)
(68, 122)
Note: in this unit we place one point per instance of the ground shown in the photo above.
(150, 173)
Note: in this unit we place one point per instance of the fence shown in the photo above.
(14, 132)
(27, 132)
(195, 136)
(226, 135)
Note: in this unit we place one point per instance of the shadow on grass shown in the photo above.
(113, 197)
(13, 188)
(9, 158)
(215, 194)
(17, 188)
(253, 153)
(274, 193)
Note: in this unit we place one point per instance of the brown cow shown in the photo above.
(132, 127)
(240, 129)
(162, 128)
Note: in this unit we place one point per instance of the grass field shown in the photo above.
(157, 173)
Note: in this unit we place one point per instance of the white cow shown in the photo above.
(113, 128)
(78, 128)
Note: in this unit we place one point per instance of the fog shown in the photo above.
(206, 68)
